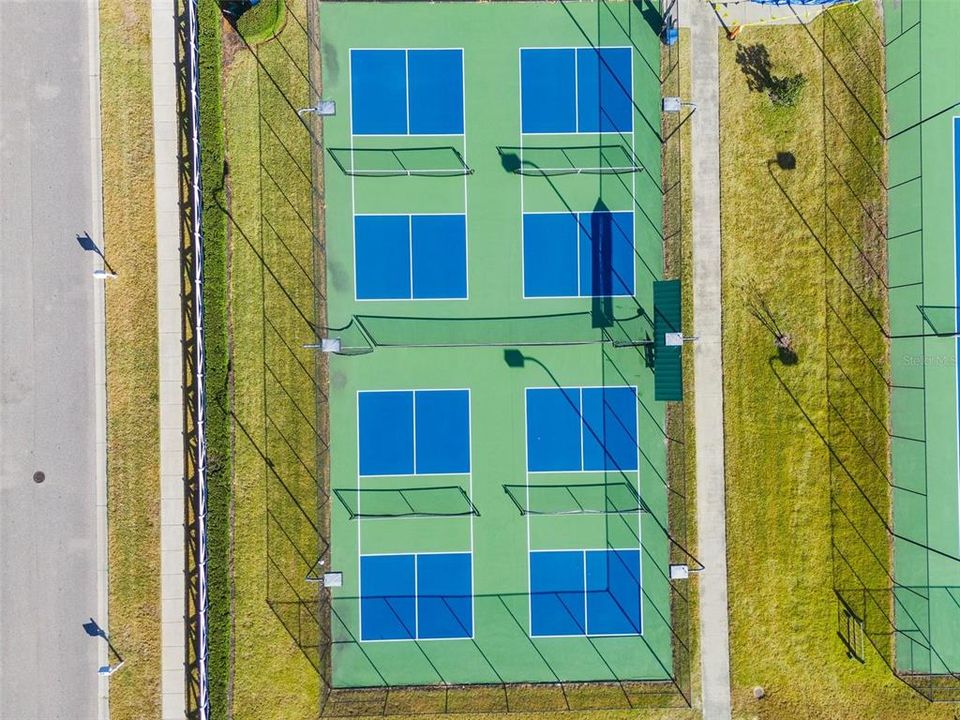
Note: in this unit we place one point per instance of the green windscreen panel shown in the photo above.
(668, 368)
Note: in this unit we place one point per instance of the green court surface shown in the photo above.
(449, 324)
(923, 96)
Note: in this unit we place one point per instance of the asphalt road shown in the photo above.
(48, 531)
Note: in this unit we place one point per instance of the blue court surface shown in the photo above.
(585, 592)
(420, 596)
(582, 429)
(410, 257)
(414, 432)
(588, 254)
(576, 90)
(406, 92)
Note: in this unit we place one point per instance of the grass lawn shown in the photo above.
(275, 381)
(808, 242)
(133, 443)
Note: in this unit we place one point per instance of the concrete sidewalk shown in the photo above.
(745, 12)
(173, 584)
(708, 362)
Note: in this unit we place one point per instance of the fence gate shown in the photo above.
(850, 630)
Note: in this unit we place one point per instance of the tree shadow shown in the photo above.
(755, 63)
(759, 307)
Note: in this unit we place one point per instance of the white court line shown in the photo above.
(473, 584)
(586, 615)
(633, 265)
(526, 515)
(956, 273)
(410, 262)
(576, 89)
(466, 176)
(406, 84)
(359, 534)
(413, 425)
(416, 588)
(582, 420)
(407, 135)
(417, 214)
(615, 133)
(576, 245)
(633, 180)
(522, 187)
(424, 552)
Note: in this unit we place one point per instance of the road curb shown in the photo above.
(100, 351)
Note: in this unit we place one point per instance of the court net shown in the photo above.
(397, 162)
(611, 159)
(576, 499)
(441, 501)
(366, 332)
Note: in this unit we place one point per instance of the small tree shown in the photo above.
(787, 91)
(760, 309)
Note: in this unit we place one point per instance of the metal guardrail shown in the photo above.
(194, 361)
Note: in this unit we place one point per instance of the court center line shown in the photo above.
(410, 251)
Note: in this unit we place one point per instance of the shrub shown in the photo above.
(262, 21)
(787, 91)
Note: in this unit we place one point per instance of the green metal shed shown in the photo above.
(667, 362)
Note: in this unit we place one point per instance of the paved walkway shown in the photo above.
(745, 12)
(707, 362)
(172, 588)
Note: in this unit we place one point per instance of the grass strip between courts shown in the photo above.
(272, 292)
(783, 242)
